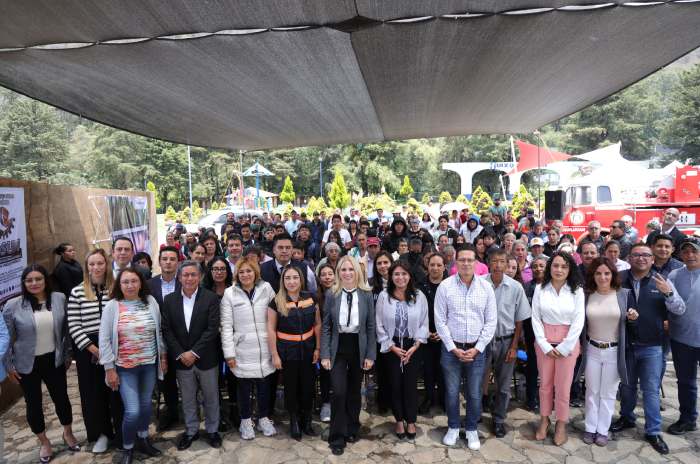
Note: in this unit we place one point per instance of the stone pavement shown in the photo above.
(378, 444)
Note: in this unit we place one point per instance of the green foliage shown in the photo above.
(170, 214)
(413, 205)
(445, 197)
(339, 196)
(406, 189)
(481, 201)
(184, 215)
(521, 199)
(682, 129)
(151, 187)
(316, 204)
(369, 204)
(287, 194)
(425, 198)
(197, 211)
(214, 206)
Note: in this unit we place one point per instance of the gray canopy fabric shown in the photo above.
(251, 74)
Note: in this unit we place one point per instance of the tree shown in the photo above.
(445, 197)
(170, 214)
(481, 201)
(287, 194)
(197, 211)
(406, 189)
(151, 187)
(682, 128)
(339, 196)
(521, 200)
(425, 199)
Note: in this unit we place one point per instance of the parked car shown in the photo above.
(218, 218)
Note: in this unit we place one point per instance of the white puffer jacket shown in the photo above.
(244, 330)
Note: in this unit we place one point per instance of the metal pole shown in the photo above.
(189, 175)
(257, 184)
(539, 175)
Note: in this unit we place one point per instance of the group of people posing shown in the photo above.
(321, 307)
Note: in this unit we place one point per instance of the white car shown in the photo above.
(218, 218)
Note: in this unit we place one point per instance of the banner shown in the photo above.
(129, 217)
(13, 242)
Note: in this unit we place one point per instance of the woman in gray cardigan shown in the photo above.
(609, 314)
(402, 326)
(133, 355)
(348, 345)
(40, 351)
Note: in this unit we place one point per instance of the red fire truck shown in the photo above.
(617, 191)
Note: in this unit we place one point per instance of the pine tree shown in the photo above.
(287, 194)
(425, 199)
(339, 196)
(151, 187)
(445, 197)
(406, 189)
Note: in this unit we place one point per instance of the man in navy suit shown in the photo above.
(271, 271)
(160, 287)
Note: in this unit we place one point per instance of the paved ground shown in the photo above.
(378, 444)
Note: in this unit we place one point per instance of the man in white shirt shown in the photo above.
(465, 319)
(292, 224)
(234, 250)
(337, 225)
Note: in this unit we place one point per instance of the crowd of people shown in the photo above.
(320, 305)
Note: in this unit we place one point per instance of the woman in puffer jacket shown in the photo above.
(244, 339)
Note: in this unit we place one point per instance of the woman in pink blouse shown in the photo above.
(558, 315)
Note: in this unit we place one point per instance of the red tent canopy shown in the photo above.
(529, 157)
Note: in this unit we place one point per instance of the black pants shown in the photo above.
(404, 384)
(55, 380)
(273, 380)
(168, 386)
(381, 373)
(432, 371)
(346, 400)
(102, 408)
(299, 378)
(324, 378)
(244, 389)
(531, 373)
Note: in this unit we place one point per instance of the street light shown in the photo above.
(189, 176)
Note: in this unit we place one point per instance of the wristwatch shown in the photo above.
(669, 294)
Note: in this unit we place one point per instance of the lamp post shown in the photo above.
(320, 173)
(539, 173)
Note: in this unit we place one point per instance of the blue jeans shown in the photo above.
(136, 389)
(454, 371)
(644, 366)
(685, 360)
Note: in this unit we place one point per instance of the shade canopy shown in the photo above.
(249, 74)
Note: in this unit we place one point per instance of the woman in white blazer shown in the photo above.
(244, 339)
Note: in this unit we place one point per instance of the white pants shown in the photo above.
(602, 380)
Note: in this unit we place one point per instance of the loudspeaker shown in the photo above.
(554, 204)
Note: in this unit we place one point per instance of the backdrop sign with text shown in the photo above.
(13, 242)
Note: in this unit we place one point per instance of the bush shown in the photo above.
(445, 197)
(521, 199)
(369, 204)
(170, 214)
(425, 199)
(481, 201)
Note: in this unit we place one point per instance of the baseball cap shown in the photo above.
(536, 241)
(690, 241)
(372, 241)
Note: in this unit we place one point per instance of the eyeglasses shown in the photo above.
(218, 269)
(641, 255)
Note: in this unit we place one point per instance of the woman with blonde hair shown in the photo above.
(102, 408)
(294, 337)
(244, 339)
(348, 345)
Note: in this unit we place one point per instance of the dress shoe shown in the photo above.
(337, 450)
(411, 435)
(307, 426)
(575, 403)
(185, 441)
(499, 430)
(167, 421)
(144, 446)
(352, 438)
(127, 457)
(294, 429)
(679, 428)
(214, 440)
(424, 407)
(657, 443)
(621, 424)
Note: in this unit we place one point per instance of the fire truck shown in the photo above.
(612, 192)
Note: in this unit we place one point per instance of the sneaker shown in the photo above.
(325, 412)
(246, 429)
(450, 438)
(473, 440)
(266, 427)
(601, 440)
(101, 445)
(589, 437)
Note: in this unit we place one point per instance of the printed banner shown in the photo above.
(129, 217)
(13, 242)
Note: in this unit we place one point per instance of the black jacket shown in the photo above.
(67, 276)
(203, 336)
(270, 274)
(155, 286)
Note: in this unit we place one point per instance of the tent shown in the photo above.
(532, 157)
(252, 74)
